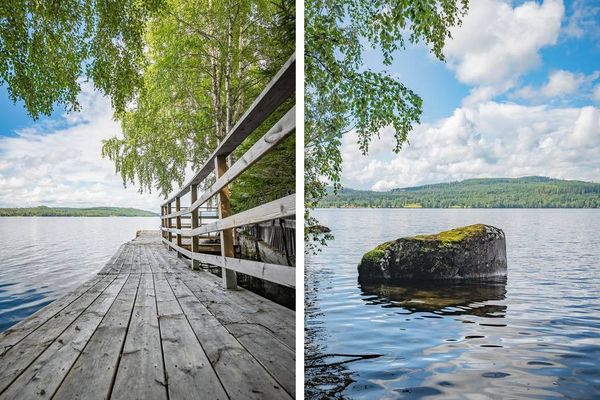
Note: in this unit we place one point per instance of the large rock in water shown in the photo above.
(474, 251)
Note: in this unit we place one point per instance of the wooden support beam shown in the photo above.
(229, 277)
(170, 235)
(162, 221)
(194, 197)
(178, 221)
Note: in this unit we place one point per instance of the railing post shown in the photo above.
(229, 277)
(195, 246)
(178, 222)
(169, 225)
(163, 223)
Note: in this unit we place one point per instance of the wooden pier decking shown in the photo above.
(149, 327)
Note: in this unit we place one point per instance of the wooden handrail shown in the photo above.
(280, 208)
(279, 89)
(281, 130)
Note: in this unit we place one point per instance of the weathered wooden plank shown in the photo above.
(274, 354)
(96, 366)
(205, 347)
(189, 372)
(140, 373)
(41, 379)
(17, 332)
(184, 214)
(169, 223)
(278, 319)
(125, 262)
(20, 356)
(280, 88)
(242, 376)
(114, 260)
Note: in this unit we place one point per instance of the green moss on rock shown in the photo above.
(474, 251)
(375, 255)
(455, 235)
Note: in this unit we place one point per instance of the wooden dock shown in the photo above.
(149, 327)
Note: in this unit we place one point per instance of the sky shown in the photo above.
(56, 161)
(519, 95)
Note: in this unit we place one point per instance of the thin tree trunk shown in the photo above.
(228, 73)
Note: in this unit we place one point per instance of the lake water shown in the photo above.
(42, 258)
(534, 335)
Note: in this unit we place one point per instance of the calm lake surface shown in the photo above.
(534, 335)
(42, 258)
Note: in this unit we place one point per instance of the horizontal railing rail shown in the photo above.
(220, 222)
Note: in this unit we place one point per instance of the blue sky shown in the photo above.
(56, 160)
(519, 95)
(436, 83)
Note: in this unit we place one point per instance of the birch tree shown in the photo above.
(48, 47)
(206, 61)
(341, 95)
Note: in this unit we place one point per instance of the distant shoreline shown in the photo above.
(43, 211)
(79, 216)
(485, 193)
(457, 208)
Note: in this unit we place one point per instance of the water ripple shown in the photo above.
(534, 335)
(42, 258)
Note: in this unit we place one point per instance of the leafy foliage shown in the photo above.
(207, 61)
(43, 211)
(527, 192)
(341, 95)
(46, 47)
(269, 179)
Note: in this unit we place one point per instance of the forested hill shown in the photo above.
(43, 211)
(527, 192)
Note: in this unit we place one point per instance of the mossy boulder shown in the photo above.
(474, 251)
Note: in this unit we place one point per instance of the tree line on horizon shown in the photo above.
(530, 192)
(179, 75)
(43, 211)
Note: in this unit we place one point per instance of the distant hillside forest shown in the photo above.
(527, 192)
(43, 211)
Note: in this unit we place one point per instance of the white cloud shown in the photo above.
(488, 140)
(560, 83)
(497, 43)
(596, 93)
(582, 19)
(59, 163)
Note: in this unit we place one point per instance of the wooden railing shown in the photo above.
(221, 228)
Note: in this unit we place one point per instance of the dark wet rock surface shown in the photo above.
(470, 252)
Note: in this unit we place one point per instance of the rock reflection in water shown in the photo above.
(465, 297)
(537, 336)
